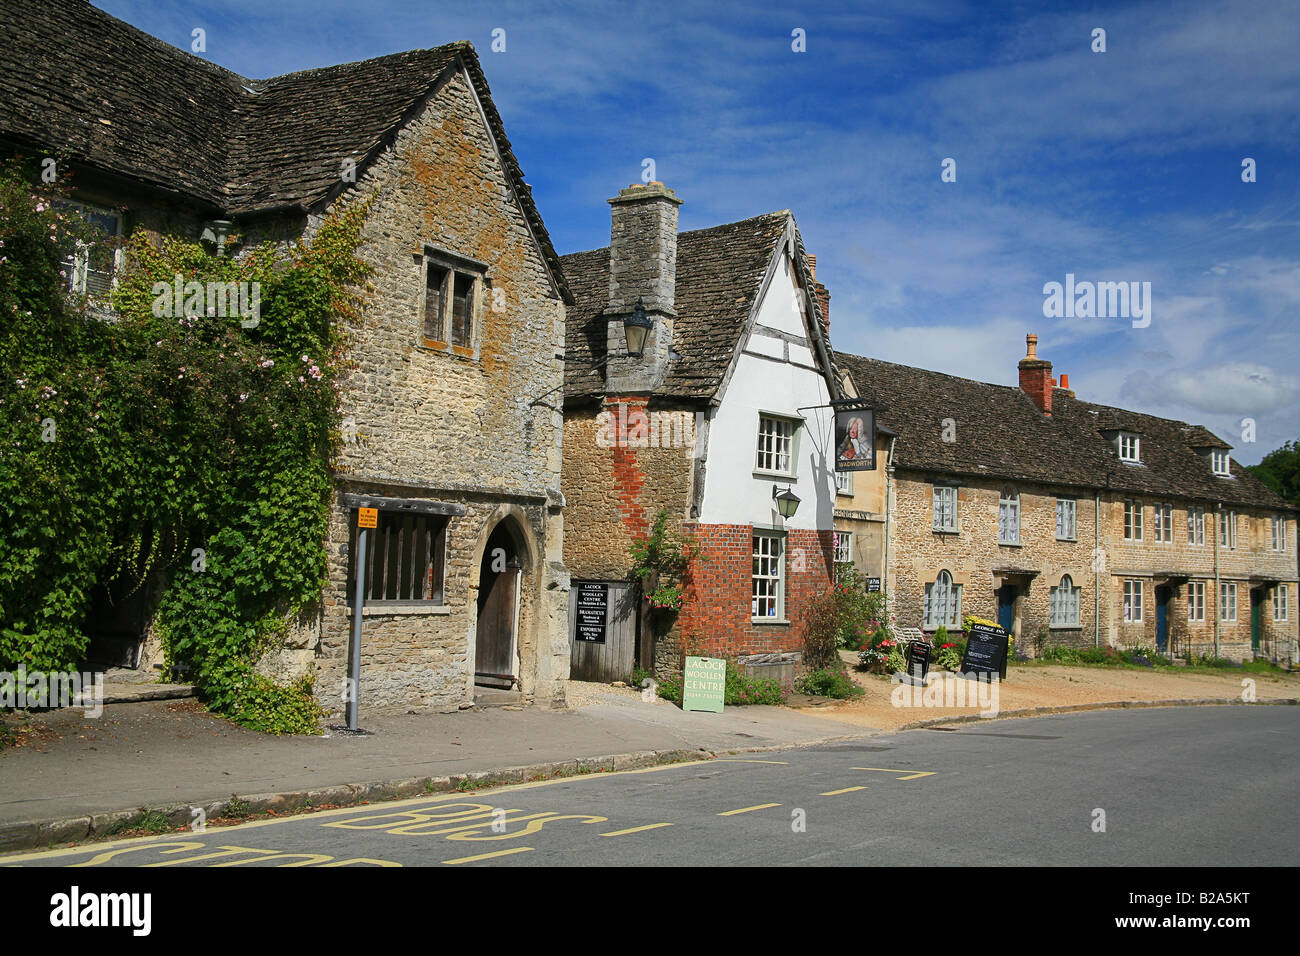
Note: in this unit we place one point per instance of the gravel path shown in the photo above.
(1061, 685)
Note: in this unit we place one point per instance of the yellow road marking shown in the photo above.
(649, 826)
(488, 856)
(761, 806)
(910, 774)
(836, 793)
(386, 806)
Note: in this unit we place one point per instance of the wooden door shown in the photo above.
(1007, 608)
(494, 646)
(1256, 622)
(614, 658)
(1162, 618)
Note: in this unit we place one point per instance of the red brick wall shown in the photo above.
(715, 617)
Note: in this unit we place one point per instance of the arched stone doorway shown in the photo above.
(502, 569)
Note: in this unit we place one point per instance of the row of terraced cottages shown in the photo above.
(696, 382)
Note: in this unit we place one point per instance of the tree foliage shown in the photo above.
(1280, 471)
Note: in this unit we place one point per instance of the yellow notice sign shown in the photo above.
(367, 517)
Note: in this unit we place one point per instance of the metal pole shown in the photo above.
(1218, 584)
(358, 602)
(1096, 569)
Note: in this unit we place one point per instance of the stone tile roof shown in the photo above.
(74, 79)
(719, 274)
(1000, 433)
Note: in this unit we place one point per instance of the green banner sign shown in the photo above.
(706, 680)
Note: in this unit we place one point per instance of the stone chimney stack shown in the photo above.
(642, 266)
(1036, 376)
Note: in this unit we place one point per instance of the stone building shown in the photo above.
(726, 407)
(466, 583)
(1076, 523)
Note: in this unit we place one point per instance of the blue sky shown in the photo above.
(1119, 166)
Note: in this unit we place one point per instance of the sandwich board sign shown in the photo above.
(704, 684)
(986, 651)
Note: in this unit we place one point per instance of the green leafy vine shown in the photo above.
(193, 448)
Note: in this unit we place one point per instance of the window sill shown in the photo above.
(443, 348)
(404, 610)
(1065, 627)
(1069, 540)
(768, 620)
(777, 475)
(1010, 544)
(946, 530)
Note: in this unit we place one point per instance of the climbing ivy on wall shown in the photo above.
(173, 439)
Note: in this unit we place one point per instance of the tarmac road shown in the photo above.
(1177, 786)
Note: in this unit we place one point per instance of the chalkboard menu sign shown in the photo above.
(986, 651)
(918, 660)
(873, 585)
(592, 611)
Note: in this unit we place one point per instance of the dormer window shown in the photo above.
(1130, 448)
(1221, 464)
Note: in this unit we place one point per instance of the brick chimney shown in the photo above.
(642, 266)
(1036, 376)
(823, 297)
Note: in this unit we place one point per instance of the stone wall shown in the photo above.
(973, 555)
(615, 484)
(1150, 561)
(980, 564)
(454, 425)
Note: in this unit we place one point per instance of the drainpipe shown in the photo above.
(1218, 590)
(1096, 569)
(889, 472)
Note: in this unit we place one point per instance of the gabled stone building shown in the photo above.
(726, 408)
(466, 584)
(1076, 523)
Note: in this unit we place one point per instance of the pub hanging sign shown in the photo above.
(855, 438)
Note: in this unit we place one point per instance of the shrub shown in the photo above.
(847, 616)
(828, 682)
(740, 689)
(1207, 660)
(895, 662)
(872, 659)
(948, 658)
(670, 689)
(743, 689)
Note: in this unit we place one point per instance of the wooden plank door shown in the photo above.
(494, 652)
